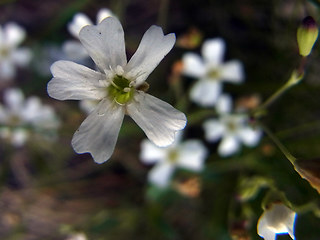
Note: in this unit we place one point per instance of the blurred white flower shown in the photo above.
(190, 155)
(19, 117)
(77, 236)
(11, 36)
(232, 128)
(74, 49)
(278, 219)
(117, 86)
(211, 71)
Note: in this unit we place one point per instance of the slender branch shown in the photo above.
(277, 142)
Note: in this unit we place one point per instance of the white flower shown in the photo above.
(278, 219)
(234, 129)
(74, 49)
(188, 155)
(11, 36)
(117, 86)
(211, 71)
(19, 116)
(77, 236)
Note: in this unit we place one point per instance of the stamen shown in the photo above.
(119, 70)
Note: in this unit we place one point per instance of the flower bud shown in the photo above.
(309, 170)
(307, 35)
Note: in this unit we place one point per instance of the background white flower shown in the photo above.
(278, 219)
(11, 36)
(19, 117)
(116, 85)
(211, 71)
(232, 128)
(189, 155)
(74, 49)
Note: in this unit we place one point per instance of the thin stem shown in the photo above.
(277, 142)
(295, 78)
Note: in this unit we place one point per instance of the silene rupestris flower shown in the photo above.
(232, 128)
(20, 118)
(277, 219)
(211, 71)
(118, 86)
(11, 36)
(189, 155)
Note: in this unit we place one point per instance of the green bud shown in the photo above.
(307, 35)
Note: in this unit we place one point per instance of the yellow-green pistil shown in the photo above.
(173, 156)
(121, 90)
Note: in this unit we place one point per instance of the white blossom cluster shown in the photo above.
(116, 87)
(20, 117)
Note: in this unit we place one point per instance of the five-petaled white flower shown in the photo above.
(211, 71)
(74, 49)
(11, 35)
(19, 117)
(118, 85)
(233, 128)
(278, 219)
(188, 155)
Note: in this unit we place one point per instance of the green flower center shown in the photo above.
(4, 52)
(120, 90)
(173, 156)
(214, 73)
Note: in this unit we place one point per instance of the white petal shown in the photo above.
(152, 49)
(206, 92)
(14, 98)
(105, 43)
(151, 153)
(74, 81)
(160, 174)
(249, 136)
(232, 71)
(192, 155)
(21, 56)
(213, 51)
(7, 70)
(277, 219)
(98, 133)
(158, 119)
(88, 105)
(75, 50)
(228, 146)
(78, 22)
(264, 230)
(193, 65)
(224, 104)
(19, 137)
(213, 130)
(13, 34)
(103, 13)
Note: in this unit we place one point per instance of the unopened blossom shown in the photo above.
(20, 117)
(73, 48)
(232, 128)
(11, 56)
(118, 87)
(189, 155)
(278, 219)
(211, 72)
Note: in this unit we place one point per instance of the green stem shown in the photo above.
(294, 79)
(277, 142)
